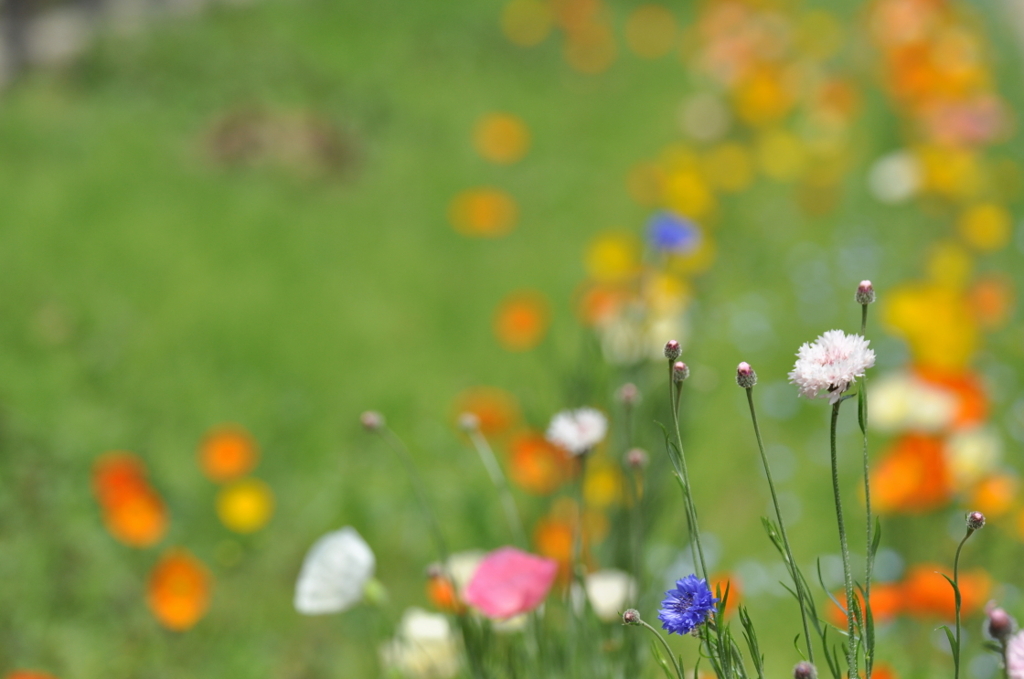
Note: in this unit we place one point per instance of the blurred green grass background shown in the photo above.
(149, 293)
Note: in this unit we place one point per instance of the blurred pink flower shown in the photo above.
(1015, 656)
(509, 582)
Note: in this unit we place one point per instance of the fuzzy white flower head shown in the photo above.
(828, 366)
(577, 431)
(610, 591)
(1015, 656)
(424, 646)
(334, 573)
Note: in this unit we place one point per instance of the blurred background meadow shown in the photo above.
(229, 228)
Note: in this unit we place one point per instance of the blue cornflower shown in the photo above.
(670, 232)
(686, 606)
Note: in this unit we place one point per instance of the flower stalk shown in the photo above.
(851, 647)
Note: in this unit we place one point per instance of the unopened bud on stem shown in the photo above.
(631, 617)
(1000, 624)
(975, 520)
(680, 372)
(745, 375)
(628, 394)
(372, 420)
(672, 350)
(865, 293)
(637, 458)
(804, 670)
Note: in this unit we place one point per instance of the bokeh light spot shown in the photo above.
(484, 212)
(501, 138)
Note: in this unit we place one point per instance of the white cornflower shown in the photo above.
(1015, 656)
(577, 431)
(831, 364)
(334, 573)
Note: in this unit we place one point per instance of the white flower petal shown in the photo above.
(334, 573)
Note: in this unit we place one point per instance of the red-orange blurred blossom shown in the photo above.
(179, 590)
(913, 477)
(228, 452)
(538, 466)
(29, 674)
(132, 510)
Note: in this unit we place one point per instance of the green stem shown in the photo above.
(851, 647)
(791, 563)
(515, 524)
(869, 651)
(419, 489)
(956, 594)
(668, 649)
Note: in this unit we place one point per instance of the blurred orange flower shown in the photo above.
(927, 594)
(227, 452)
(992, 300)
(442, 594)
(179, 590)
(496, 409)
(731, 582)
(912, 477)
(29, 674)
(538, 466)
(883, 671)
(521, 320)
(886, 603)
(994, 496)
(484, 212)
(132, 510)
(972, 402)
(501, 138)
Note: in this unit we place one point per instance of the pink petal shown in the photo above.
(509, 582)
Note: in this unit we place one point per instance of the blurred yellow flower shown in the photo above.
(936, 322)
(687, 193)
(651, 31)
(602, 486)
(483, 212)
(526, 22)
(949, 264)
(245, 506)
(986, 227)
(780, 155)
(613, 256)
(729, 167)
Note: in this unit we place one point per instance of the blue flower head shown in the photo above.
(686, 606)
(672, 233)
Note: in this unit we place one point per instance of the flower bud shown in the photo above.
(631, 617)
(672, 350)
(637, 458)
(1000, 624)
(745, 375)
(975, 520)
(469, 422)
(804, 670)
(628, 394)
(372, 420)
(680, 372)
(865, 293)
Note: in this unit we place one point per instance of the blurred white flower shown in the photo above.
(423, 647)
(1015, 656)
(973, 454)
(610, 592)
(577, 431)
(828, 366)
(334, 573)
(895, 178)
(901, 401)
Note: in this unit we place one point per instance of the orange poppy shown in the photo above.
(537, 465)
(994, 496)
(886, 603)
(521, 320)
(883, 671)
(227, 452)
(496, 409)
(913, 476)
(138, 520)
(972, 402)
(442, 594)
(927, 594)
(179, 590)
(116, 476)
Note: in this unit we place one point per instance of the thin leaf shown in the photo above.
(953, 646)
(862, 411)
(877, 538)
(821, 580)
(661, 661)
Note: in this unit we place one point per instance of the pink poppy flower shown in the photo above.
(509, 582)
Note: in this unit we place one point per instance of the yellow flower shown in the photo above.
(245, 506)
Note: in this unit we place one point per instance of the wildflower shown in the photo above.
(446, 585)
(671, 233)
(334, 573)
(179, 590)
(637, 458)
(804, 670)
(631, 617)
(833, 362)
(578, 431)
(687, 606)
(424, 646)
(509, 582)
(537, 465)
(608, 591)
(227, 452)
(521, 320)
(371, 420)
(865, 293)
(133, 511)
(1015, 656)
(745, 375)
(999, 624)
(975, 520)
(245, 506)
(672, 350)
(680, 372)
